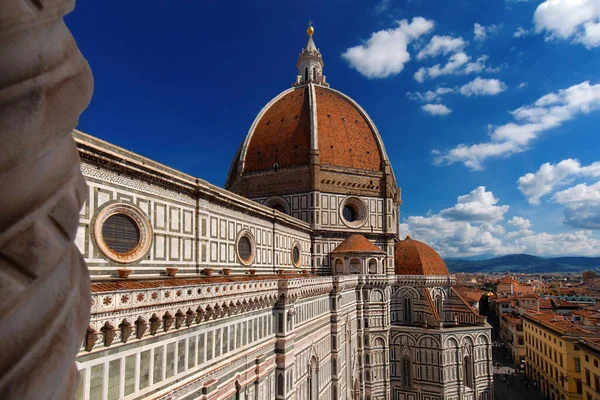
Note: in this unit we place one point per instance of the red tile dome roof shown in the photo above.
(357, 244)
(412, 257)
(306, 119)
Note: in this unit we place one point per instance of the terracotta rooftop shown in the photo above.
(554, 321)
(546, 304)
(345, 137)
(357, 244)
(509, 279)
(416, 258)
(512, 320)
(282, 136)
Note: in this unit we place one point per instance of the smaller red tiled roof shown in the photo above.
(528, 296)
(554, 321)
(508, 279)
(512, 320)
(357, 244)
(472, 296)
(546, 304)
(416, 258)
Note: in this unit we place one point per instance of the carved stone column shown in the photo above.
(45, 83)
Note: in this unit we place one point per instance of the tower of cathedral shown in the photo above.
(290, 283)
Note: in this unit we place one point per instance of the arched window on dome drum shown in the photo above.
(372, 266)
(305, 74)
(314, 77)
(339, 266)
(355, 266)
(407, 309)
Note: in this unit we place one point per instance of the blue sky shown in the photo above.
(489, 109)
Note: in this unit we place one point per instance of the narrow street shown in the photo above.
(508, 384)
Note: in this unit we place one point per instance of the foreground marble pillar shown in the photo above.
(45, 83)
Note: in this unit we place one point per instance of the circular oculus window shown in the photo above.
(246, 248)
(353, 212)
(122, 233)
(296, 254)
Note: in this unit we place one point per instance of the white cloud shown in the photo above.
(569, 19)
(522, 85)
(459, 239)
(483, 87)
(439, 45)
(454, 238)
(581, 193)
(520, 222)
(586, 216)
(570, 243)
(436, 109)
(550, 176)
(381, 7)
(430, 95)
(458, 64)
(521, 32)
(477, 206)
(482, 232)
(385, 53)
(481, 31)
(582, 205)
(549, 111)
(420, 75)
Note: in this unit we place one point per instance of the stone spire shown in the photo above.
(310, 62)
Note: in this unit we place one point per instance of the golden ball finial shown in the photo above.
(310, 30)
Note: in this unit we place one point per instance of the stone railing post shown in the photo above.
(45, 83)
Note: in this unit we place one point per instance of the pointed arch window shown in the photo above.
(407, 309)
(406, 372)
(239, 394)
(439, 305)
(313, 379)
(468, 371)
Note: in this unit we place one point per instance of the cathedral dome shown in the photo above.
(412, 257)
(312, 138)
(312, 120)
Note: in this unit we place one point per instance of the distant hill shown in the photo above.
(583, 262)
(523, 263)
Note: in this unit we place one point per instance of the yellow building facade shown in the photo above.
(590, 367)
(553, 355)
(511, 333)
